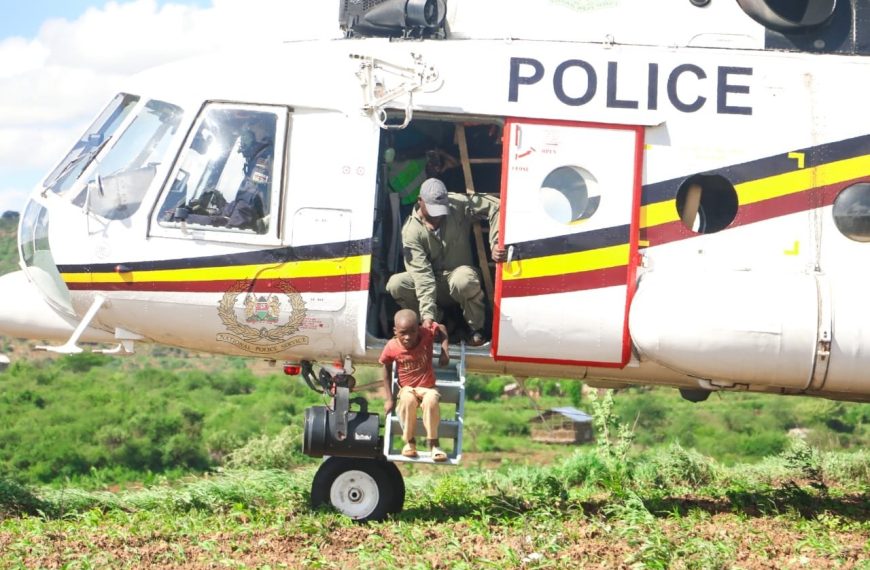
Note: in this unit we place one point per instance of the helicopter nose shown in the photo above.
(24, 313)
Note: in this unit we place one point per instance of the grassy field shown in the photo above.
(671, 508)
(118, 463)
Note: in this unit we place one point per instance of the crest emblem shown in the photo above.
(262, 309)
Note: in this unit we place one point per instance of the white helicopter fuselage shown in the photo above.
(704, 249)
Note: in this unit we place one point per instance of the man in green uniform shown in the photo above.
(436, 243)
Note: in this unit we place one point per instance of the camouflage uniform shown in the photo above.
(438, 263)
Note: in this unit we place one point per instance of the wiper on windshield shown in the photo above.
(87, 157)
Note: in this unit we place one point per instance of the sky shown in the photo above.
(61, 61)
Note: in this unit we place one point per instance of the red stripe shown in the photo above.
(335, 284)
(756, 212)
(561, 361)
(565, 282)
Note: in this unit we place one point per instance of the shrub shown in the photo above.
(17, 500)
(847, 468)
(807, 462)
(484, 388)
(583, 467)
(455, 493)
(574, 391)
(181, 450)
(83, 361)
(281, 451)
(221, 444)
(676, 466)
(613, 442)
(546, 491)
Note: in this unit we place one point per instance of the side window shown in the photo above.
(851, 212)
(227, 178)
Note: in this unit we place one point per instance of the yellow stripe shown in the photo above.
(800, 180)
(770, 187)
(603, 258)
(289, 270)
(658, 213)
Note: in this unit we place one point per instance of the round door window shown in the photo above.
(569, 194)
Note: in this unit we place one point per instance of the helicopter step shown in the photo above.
(450, 382)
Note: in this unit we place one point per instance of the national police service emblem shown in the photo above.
(263, 310)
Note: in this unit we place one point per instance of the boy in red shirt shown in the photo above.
(411, 350)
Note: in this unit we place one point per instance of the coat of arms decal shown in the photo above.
(262, 309)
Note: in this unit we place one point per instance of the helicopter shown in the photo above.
(684, 201)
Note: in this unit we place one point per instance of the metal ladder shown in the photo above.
(450, 382)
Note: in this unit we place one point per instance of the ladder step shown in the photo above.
(450, 382)
(448, 372)
(448, 429)
(423, 457)
(450, 392)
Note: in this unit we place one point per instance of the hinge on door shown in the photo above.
(824, 336)
(383, 82)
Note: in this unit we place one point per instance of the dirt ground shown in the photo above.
(585, 542)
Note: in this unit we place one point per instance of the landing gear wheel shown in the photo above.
(362, 489)
(398, 487)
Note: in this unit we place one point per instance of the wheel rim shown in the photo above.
(355, 493)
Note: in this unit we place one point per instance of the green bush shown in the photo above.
(546, 491)
(574, 391)
(583, 467)
(455, 492)
(83, 361)
(16, 500)
(674, 467)
(281, 451)
(484, 388)
(848, 468)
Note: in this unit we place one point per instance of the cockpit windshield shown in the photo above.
(115, 188)
(102, 129)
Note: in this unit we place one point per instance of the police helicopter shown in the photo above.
(684, 194)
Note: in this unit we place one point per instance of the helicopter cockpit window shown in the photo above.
(226, 178)
(84, 151)
(117, 185)
(852, 212)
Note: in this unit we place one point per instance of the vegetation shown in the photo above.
(105, 418)
(8, 242)
(93, 419)
(688, 512)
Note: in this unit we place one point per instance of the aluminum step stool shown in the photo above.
(450, 381)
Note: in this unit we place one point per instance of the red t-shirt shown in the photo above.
(415, 365)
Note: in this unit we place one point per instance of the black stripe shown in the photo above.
(339, 250)
(572, 243)
(764, 167)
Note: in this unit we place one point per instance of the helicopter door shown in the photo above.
(570, 211)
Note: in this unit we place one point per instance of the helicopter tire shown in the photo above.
(361, 489)
(398, 487)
